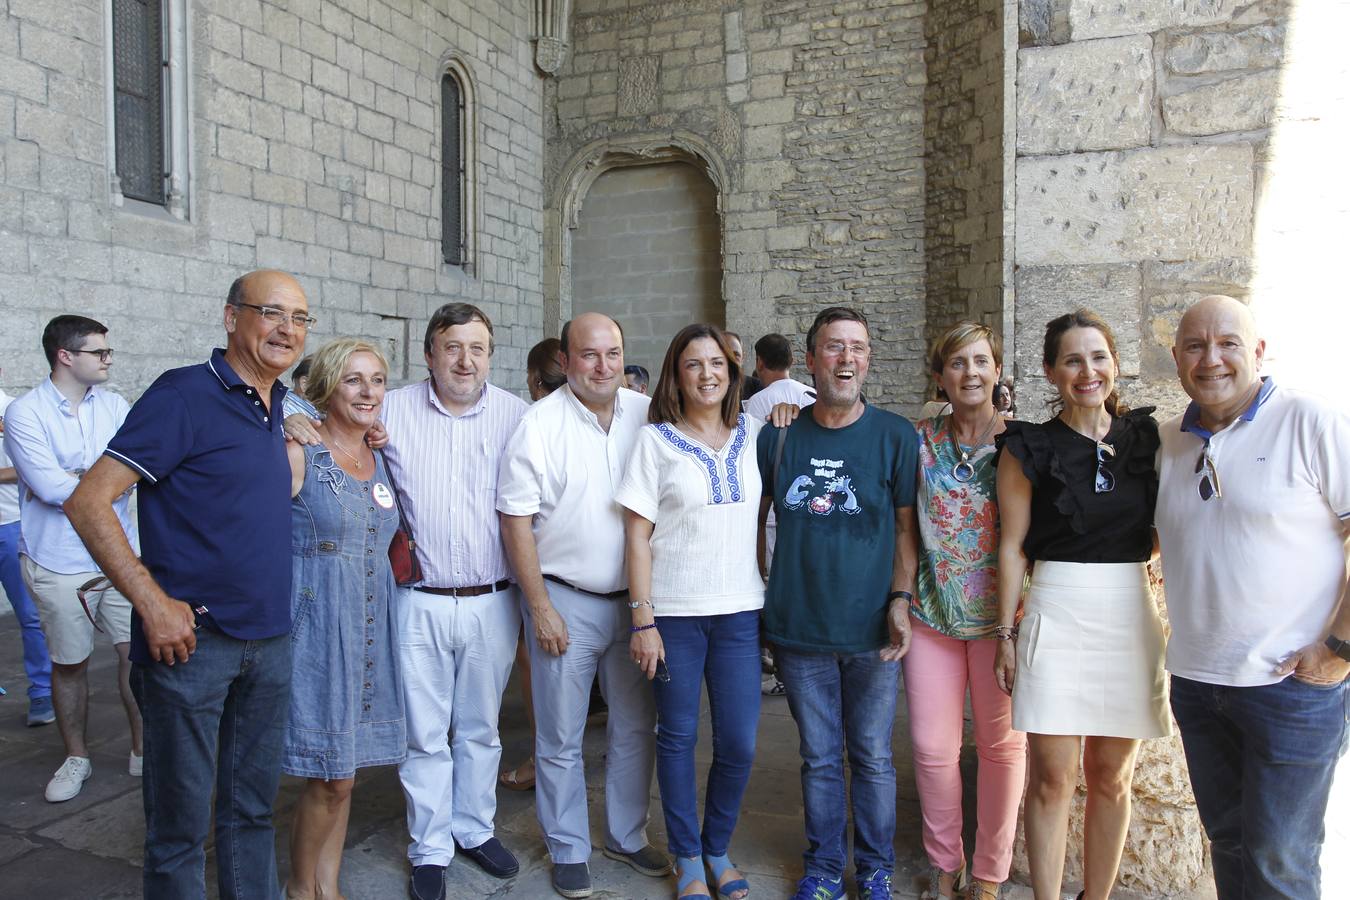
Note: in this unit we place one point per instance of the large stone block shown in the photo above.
(638, 85)
(1110, 18)
(1237, 104)
(1164, 203)
(1089, 95)
(1260, 47)
(1045, 292)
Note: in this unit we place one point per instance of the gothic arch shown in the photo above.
(574, 182)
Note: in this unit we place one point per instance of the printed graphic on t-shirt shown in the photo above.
(824, 490)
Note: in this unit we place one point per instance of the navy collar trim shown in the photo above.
(1190, 419)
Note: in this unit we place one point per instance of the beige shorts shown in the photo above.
(70, 634)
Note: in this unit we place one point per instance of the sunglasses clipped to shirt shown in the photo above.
(1209, 475)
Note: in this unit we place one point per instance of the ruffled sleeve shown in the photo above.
(1031, 444)
(1137, 446)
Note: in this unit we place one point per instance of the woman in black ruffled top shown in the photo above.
(1076, 498)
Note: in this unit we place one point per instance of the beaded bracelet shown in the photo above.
(636, 628)
(1005, 632)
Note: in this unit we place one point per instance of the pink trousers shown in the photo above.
(938, 670)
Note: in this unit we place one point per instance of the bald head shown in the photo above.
(260, 318)
(592, 355)
(1218, 355)
(1219, 307)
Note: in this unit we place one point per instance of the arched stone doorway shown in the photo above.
(647, 252)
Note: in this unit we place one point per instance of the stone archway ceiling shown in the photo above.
(553, 31)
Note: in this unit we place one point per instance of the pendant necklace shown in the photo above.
(360, 463)
(964, 471)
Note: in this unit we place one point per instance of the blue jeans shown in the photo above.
(1261, 762)
(219, 721)
(724, 652)
(36, 663)
(844, 702)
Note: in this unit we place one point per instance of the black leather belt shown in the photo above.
(612, 595)
(475, 591)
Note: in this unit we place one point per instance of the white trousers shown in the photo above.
(598, 633)
(456, 655)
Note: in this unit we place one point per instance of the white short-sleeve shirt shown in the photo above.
(563, 469)
(705, 507)
(784, 390)
(1254, 575)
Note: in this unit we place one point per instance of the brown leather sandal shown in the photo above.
(512, 781)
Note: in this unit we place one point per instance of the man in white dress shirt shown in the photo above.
(458, 628)
(53, 434)
(564, 534)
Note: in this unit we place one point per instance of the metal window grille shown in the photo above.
(452, 171)
(138, 97)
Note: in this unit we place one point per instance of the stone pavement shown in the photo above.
(90, 847)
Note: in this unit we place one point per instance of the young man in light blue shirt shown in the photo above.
(53, 434)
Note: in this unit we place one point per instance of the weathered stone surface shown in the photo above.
(1109, 18)
(1196, 53)
(1092, 95)
(1237, 104)
(1167, 203)
(1044, 292)
(637, 84)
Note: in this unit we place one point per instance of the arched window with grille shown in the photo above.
(458, 196)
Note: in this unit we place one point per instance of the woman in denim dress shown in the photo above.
(346, 703)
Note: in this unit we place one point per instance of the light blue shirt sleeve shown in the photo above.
(30, 450)
(293, 403)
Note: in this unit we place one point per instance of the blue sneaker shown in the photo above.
(40, 712)
(818, 887)
(876, 886)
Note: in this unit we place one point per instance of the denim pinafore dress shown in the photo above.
(346, 693)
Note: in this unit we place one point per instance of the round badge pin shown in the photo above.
(383, 496)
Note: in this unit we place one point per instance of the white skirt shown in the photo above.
(1090, 654)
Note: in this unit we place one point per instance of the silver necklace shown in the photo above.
(964, 471)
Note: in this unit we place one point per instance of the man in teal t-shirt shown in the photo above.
(837, 607)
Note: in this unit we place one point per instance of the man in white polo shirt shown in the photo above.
(564, 534)
(457, 629)
(53, 434)
(773, 366)
(1253, 505)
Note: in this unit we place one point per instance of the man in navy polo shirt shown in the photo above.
(210, 632)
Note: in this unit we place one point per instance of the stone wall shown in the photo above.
(314, 147)
(967, 124)
(647, 254)
(1142, 131)
(812, 111)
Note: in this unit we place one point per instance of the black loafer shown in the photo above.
(572, 879)
(427, 883)
(492, 857)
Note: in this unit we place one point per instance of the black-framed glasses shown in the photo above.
(662, 673)
(103, 355)
(274, 316)
(1105, 482)
(1209, 475)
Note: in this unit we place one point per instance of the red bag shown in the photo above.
(402, 549)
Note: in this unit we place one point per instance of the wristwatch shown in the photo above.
(900, 595)
(1339, 647)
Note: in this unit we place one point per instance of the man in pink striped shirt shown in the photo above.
(458, 629)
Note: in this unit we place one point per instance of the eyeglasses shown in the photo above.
(1105, 482)
(662, 673)
(103, 355)
(1209, 480)
(837, 348)
(274, 316)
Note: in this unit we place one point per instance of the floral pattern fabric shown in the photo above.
(958, 529)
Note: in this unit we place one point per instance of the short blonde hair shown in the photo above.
(326, 370)
(960, 335)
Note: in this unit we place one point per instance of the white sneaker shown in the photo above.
(136, 765)
(69, 779)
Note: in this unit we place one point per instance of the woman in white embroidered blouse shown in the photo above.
(691, 498)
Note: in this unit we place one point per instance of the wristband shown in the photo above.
(900, 595)
(636, 628)
(1005, 632)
